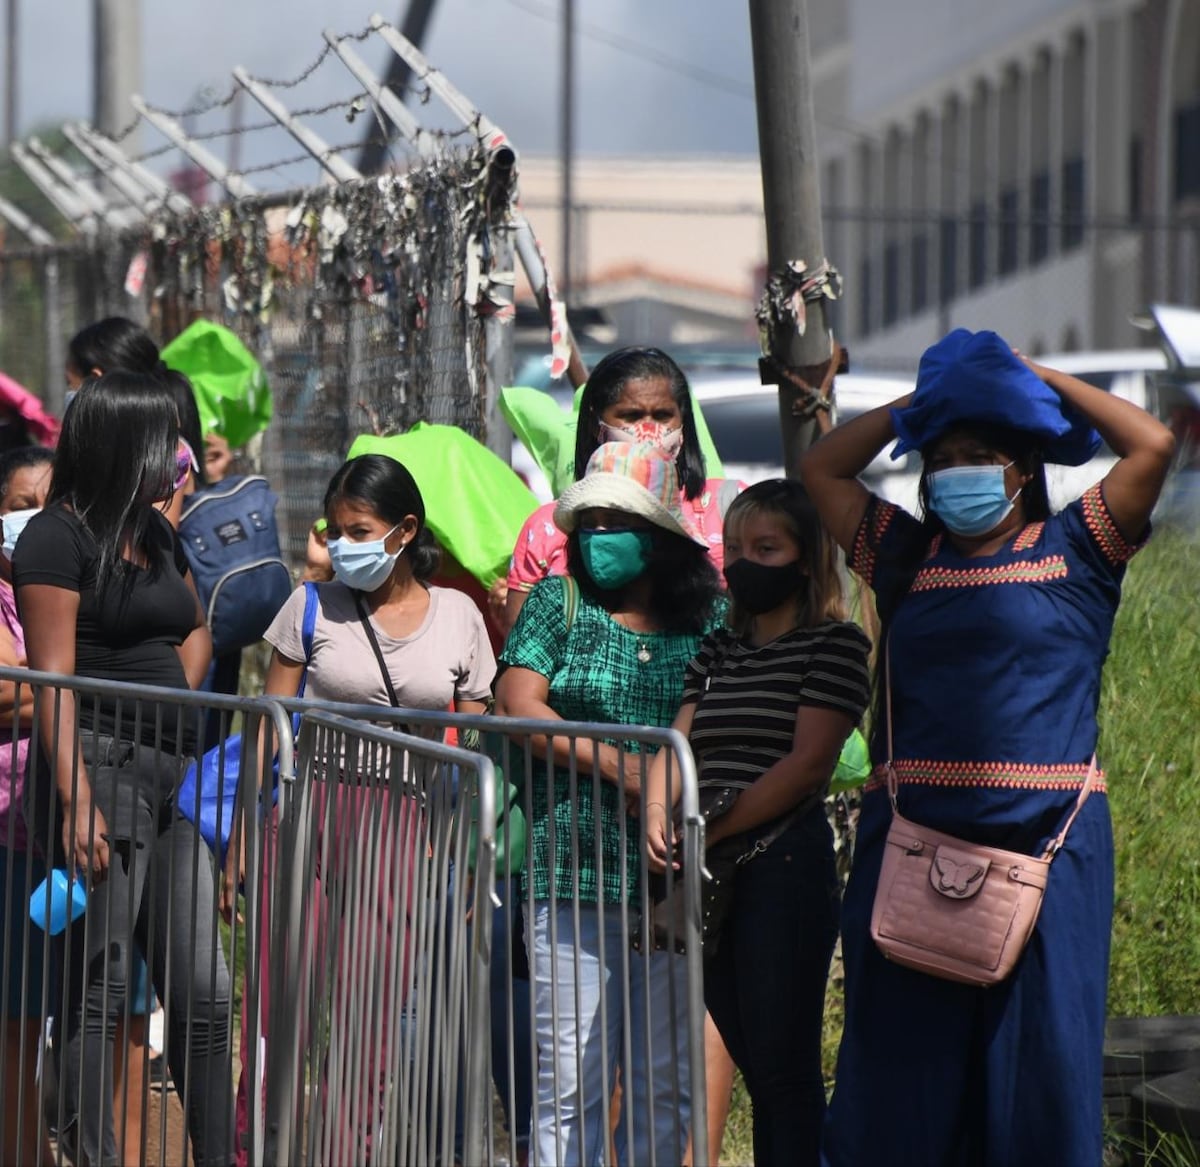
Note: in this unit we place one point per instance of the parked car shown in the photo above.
(743, 418)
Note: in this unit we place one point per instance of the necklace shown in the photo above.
(644, 654)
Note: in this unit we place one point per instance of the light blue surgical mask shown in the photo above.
(363, 566)
(614, 558)
(970, 500)
(14, 523)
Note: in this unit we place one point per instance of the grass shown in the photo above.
(1150, 750)
(1150, 746)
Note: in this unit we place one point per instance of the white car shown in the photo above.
(743, 418)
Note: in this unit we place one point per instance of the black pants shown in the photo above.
(765, 987)
(160, 895)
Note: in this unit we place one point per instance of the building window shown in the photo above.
(1187, 157)
(865, 275)
(1039, 217)
(977, 264)
(1072, 203)
(891, 283)
(1135, 178)
(948, 265)
(1009, 257)
(920, 272)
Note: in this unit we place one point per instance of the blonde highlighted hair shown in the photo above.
(821, 598)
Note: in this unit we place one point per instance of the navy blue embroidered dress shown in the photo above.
(996, 667)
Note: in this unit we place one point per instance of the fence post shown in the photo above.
(53, 386)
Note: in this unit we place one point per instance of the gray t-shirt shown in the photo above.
(449, 658)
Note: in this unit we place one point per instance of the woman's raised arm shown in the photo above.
(830, 470)
(1143, 445)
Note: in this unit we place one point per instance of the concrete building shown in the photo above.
(670, 250)
(1032, 166)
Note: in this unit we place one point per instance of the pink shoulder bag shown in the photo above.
(957, 910)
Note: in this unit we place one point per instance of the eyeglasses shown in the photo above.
(185, 463)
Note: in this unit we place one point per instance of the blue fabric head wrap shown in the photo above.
(976, 377)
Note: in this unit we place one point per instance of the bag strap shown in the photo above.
(570, 600)
(383, 669)
(307, 630)
(1055, 845)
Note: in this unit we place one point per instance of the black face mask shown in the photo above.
(758, 587)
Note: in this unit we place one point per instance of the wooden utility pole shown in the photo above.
(12, 73)
(566, 149)
(796, 340)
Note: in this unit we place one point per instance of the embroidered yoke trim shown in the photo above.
(1027, 571)
(1028, 537)
(1100, 523)
(871, 530)
(1009, 775)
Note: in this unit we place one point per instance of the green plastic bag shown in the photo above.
(474, 502)
(231, 389)
(854, 765)
(548, 433)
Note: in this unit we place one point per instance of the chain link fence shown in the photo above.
(359, 300)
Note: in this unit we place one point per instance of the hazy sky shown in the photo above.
(695, 97)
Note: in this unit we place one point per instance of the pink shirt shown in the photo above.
(12, 760)
(541, 548)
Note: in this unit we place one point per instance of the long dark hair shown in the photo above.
(387, 487)
(604, 387)
(115, 459)
(189, 417)
(114, 344)
(684, 588)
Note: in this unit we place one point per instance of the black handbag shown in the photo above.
(666, 914)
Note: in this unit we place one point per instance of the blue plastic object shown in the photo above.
(68, 901)
(207, 795)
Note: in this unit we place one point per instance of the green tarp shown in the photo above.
(474, 504)
(230, 387)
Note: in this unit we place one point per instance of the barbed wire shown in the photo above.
(209, 103)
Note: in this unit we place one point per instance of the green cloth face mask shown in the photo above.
(613, 558)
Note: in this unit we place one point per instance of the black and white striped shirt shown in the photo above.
(748, 696)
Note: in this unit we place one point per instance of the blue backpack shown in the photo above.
(232, 545)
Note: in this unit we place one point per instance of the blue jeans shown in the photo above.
(765, 987)
(572, 1120)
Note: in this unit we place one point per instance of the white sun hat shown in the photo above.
(635, 479)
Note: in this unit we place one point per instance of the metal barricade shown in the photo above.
(626, 1064)
(87, 1094)
(379, 1011)
(385, 953)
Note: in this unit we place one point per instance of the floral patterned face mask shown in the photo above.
(646, 433)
